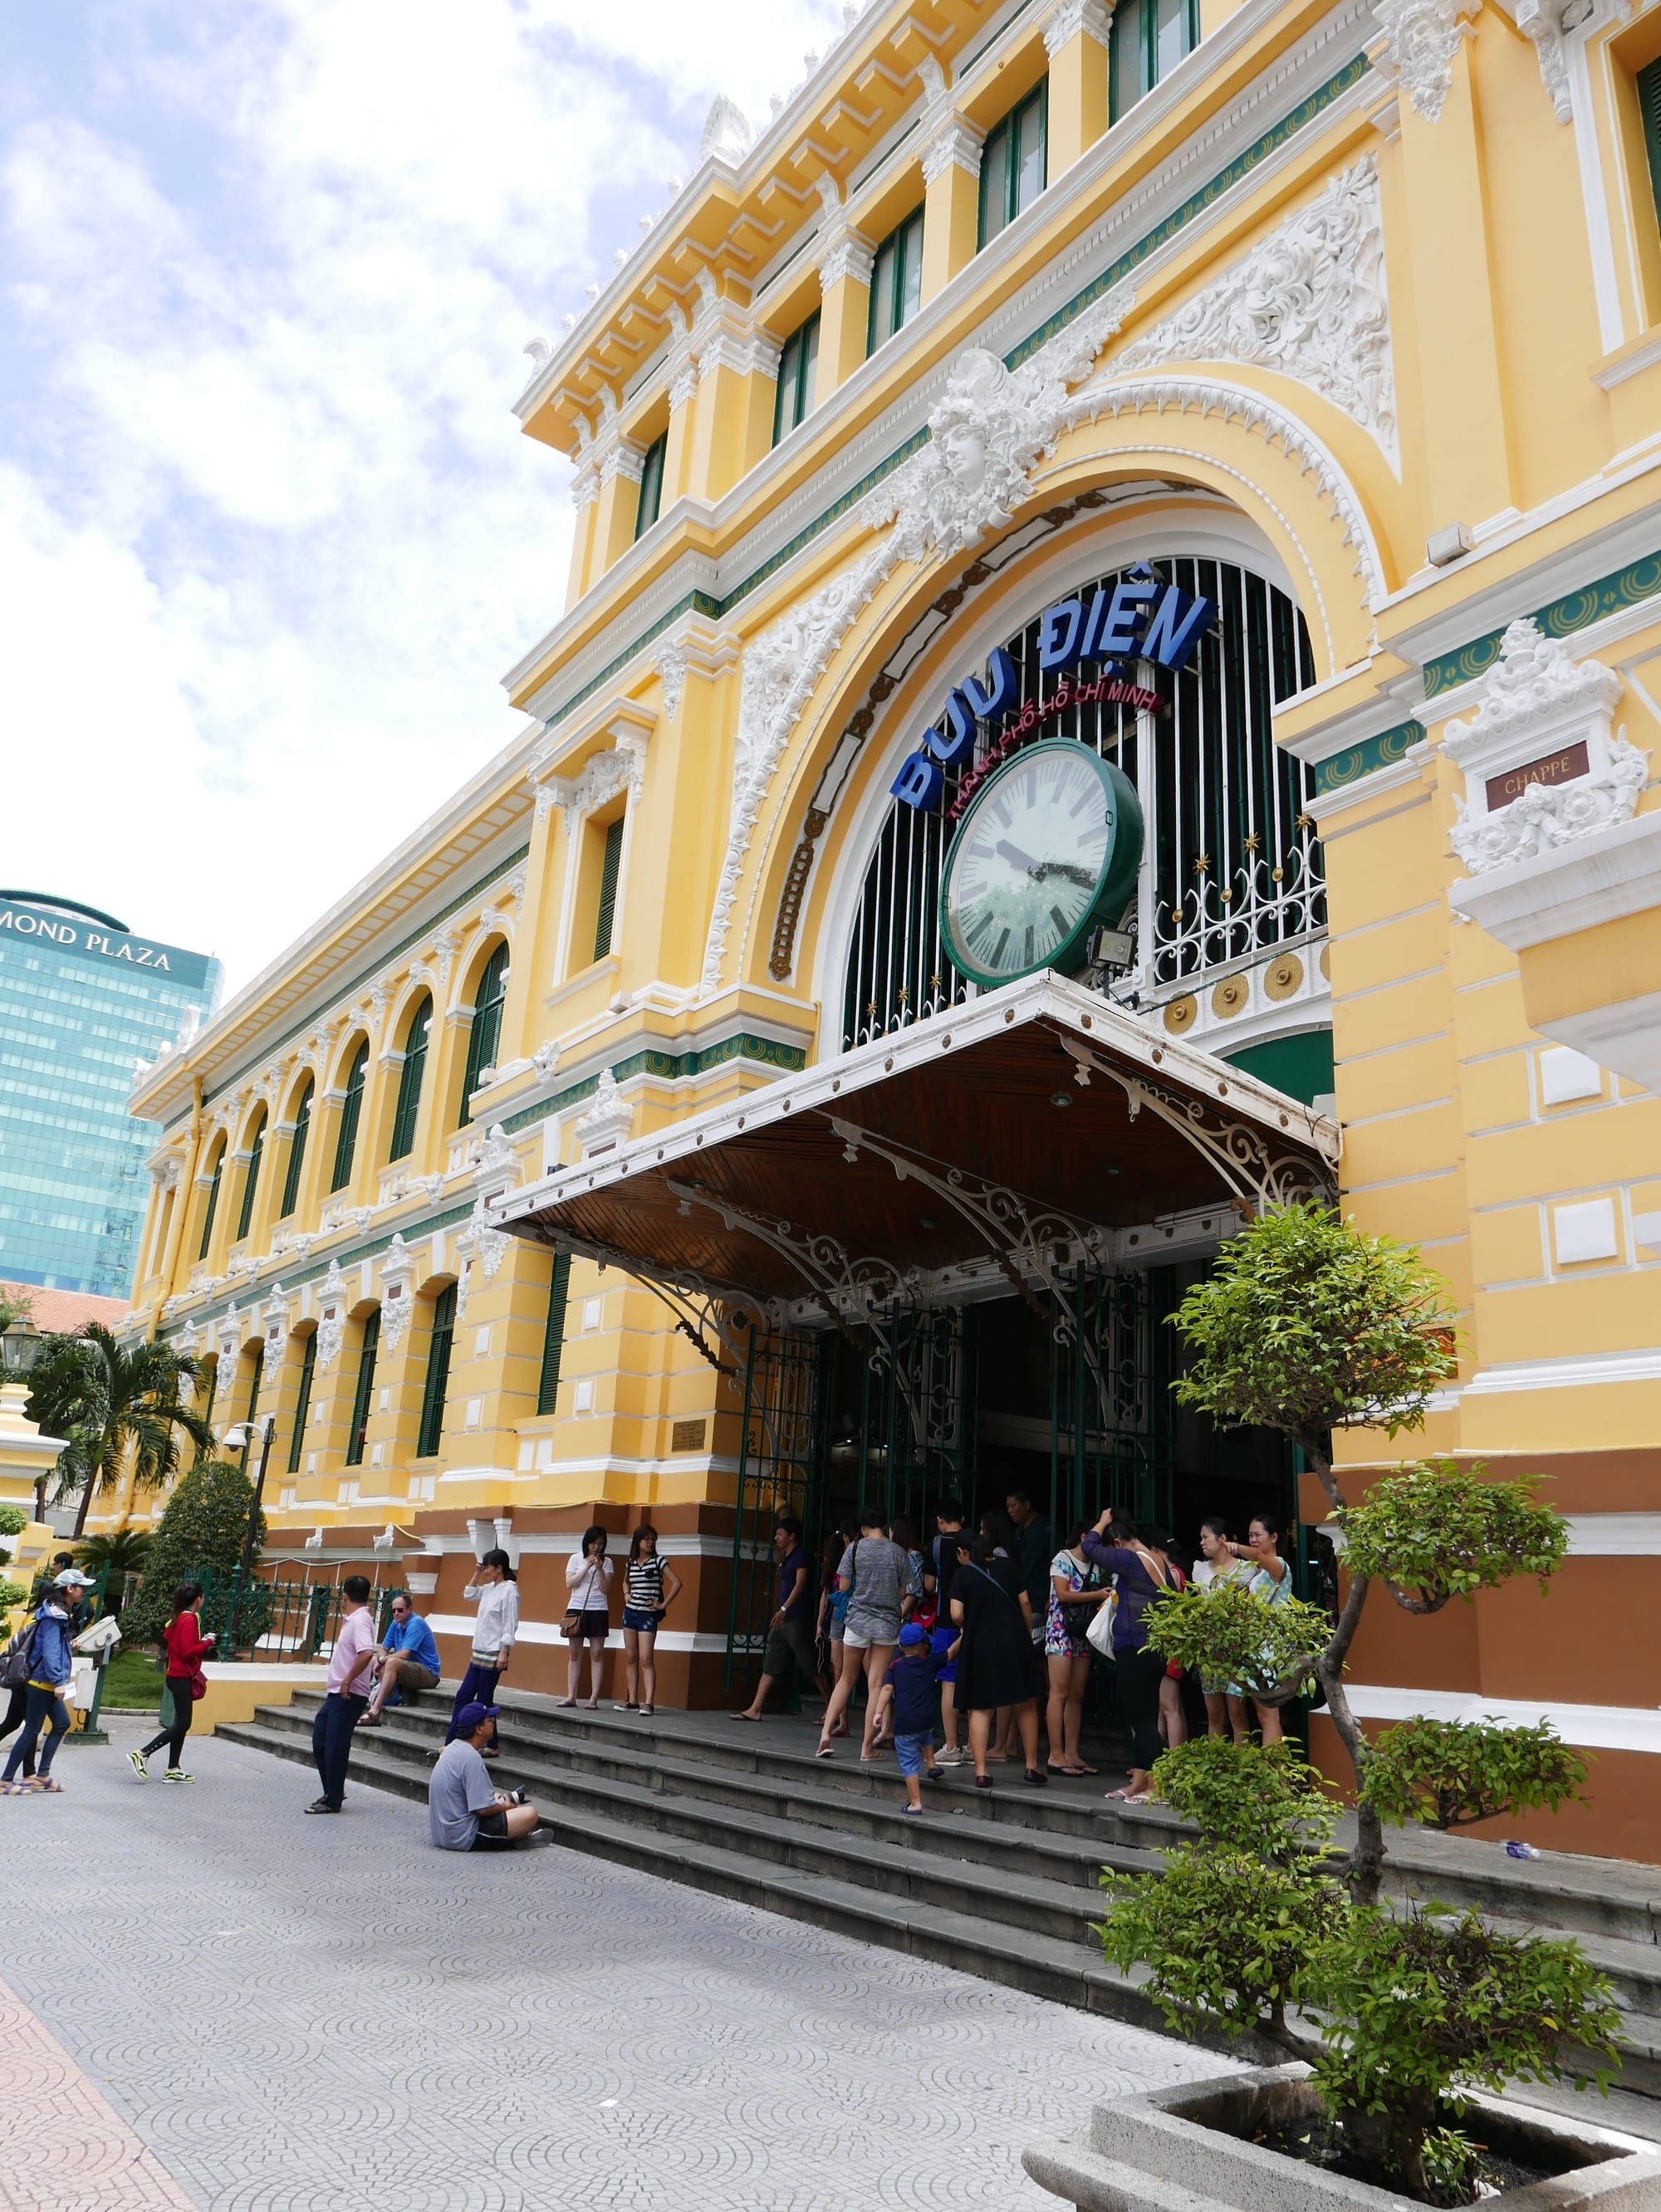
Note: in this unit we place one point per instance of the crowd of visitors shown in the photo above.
(994, 1624)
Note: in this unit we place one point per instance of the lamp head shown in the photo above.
(19, 1347)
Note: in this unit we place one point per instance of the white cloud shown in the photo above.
(268, 535)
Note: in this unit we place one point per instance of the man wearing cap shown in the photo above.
(466, 1811)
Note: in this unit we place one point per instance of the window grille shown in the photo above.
(559, 1290)
(1232, 863)
(308, 1362)
(606, 917)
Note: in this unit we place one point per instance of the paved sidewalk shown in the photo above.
(292, 2013)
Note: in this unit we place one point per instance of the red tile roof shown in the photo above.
(57, 1312)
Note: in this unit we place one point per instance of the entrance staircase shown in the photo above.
(1001, 1883)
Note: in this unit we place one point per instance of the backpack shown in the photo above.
(18, 1660)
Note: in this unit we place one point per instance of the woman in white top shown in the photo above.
(1217, 1566)
(498, 1597)
(588, 1614)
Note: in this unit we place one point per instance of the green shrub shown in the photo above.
(1435, 1532)
(12, 1594)
(201, 1533)
(1264, 1800)
(1230, 1635)
(1446, 1774)
(13, 1520)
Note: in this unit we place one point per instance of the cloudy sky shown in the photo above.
(268, 535)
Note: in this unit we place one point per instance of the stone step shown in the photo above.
(956, 1827)
(1015, 1871)
(1016, 1905)
(1066, 1972)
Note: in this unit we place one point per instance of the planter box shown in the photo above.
(1189, 2149)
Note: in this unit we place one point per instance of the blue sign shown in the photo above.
(1139, 619)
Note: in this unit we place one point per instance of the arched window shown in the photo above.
(363, 1395)
(308, 1367)
(250, 1181)
(351, 1108)
(485, 1034)
(410, 1080)
(1231, 864)
(296, 1152)
(213, 1203)
(438, 1373)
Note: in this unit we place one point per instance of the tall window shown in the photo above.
(1649, 106)
(250, 1181)
(1149, 39)
(296, 1153)
(605, 917)
(896, 281)
(548, 1386)
(486, 1033)
(410, 1080)
(363, 1398)
(308, 1364)
(651, 486)
(798, 364)
(438, 1373)
(213, 1204)
(1013, 162)
(351, 1108)
(253, 1404)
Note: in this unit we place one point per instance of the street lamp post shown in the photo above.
(238, 1437)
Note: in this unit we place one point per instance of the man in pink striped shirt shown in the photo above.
(348, 1694)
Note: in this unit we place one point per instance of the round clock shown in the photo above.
(1047, 851)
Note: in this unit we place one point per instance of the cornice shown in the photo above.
(1143, 230)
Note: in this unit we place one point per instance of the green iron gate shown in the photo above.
(780, 1455)
(1112, 1431)
(917, 1442)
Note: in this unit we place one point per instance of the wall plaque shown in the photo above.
(1554, 768)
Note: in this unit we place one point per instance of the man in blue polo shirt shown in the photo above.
(406, 1655)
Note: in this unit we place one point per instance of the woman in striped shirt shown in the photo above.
(651, 1586)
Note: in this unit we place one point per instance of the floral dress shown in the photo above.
(1065, 1624)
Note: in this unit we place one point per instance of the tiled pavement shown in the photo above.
(292, 2013)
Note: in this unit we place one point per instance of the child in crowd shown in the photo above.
(944, 1644)
(906, 1701)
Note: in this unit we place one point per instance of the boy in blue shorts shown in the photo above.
(909, 1693)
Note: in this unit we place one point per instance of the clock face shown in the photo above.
(1049, 849)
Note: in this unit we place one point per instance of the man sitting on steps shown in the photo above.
(406, 1658)
(466, 1811)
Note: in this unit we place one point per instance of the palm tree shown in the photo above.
(107, 1399)
(121, 1552)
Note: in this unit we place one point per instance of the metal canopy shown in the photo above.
(984, 1149)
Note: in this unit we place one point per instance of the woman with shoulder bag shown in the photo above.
(186, 1647)
(1140, 1576)
(997, 1666)
(49, 1666)
(876, 1576)
(588, 1614)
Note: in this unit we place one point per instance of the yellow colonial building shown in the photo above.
(1110, 676)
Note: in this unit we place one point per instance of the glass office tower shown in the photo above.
(82, 1001)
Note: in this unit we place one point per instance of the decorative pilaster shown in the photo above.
(951, 221)
(845, 261)
(1075, 38)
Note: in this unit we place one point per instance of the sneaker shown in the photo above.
(948, 1758)
(136, 1760)
(177, 1774)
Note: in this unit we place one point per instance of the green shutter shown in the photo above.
(409, 1081)
(364, 1394)
(438, 1373)
(213, 1207)
(253, 1405)
(1649, 106)
(250, 1181)
(548, 1387)
(303, 1404)
(606, 920)
(486, 1033)
(350, 1108)
(798, 363)
(296, 1154)
(651, 486)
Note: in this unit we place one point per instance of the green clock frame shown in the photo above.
(1119, 868)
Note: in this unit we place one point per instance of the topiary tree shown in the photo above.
(202, 1527)
(13, 1520)
(1309, 1326)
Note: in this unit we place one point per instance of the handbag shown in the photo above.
(198, 1685)
(15, 1667)
(1099, 1633)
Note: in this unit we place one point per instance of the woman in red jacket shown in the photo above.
(187, 1647)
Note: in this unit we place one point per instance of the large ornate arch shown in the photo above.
(999, 439)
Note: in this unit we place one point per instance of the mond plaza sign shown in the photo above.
(1141, 619)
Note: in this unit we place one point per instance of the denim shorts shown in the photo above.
(912, 1752)
(643, 1623)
